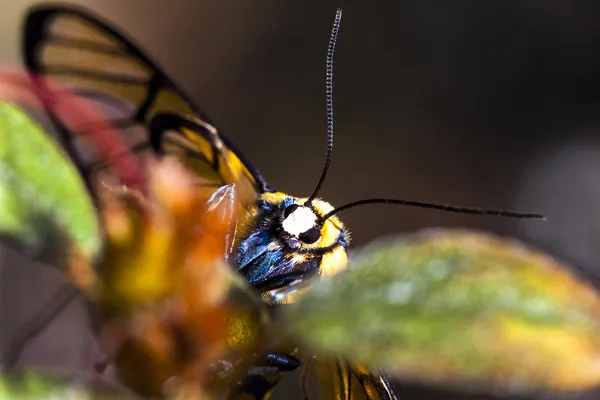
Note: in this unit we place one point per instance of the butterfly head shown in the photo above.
(304, 226)
(283, 236)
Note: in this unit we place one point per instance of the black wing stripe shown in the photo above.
(65, 43)
(43, 16)
(153, 90)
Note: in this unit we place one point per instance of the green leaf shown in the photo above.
(41, 385)
(42, 197)
(458, 308)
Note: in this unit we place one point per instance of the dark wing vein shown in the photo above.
(71, 47)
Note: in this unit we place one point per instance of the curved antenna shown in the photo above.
(442, 207)
(329, 99)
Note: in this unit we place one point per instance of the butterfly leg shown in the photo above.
(261, 379)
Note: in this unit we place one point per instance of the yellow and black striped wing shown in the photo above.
(71, 47)
(325, 378)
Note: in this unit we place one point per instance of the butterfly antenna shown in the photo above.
(442, 207)
(329, 99)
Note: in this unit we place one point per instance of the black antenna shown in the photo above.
(442, 207)
(329, 99)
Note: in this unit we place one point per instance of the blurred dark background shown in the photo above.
(491, 104)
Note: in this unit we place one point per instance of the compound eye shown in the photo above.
(311, 235)
(290, 209)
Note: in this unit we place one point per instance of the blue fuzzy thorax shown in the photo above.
(265, 258)
(254, 257)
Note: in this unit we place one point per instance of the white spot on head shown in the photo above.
(299, 221)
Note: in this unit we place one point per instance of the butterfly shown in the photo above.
(280, 243)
